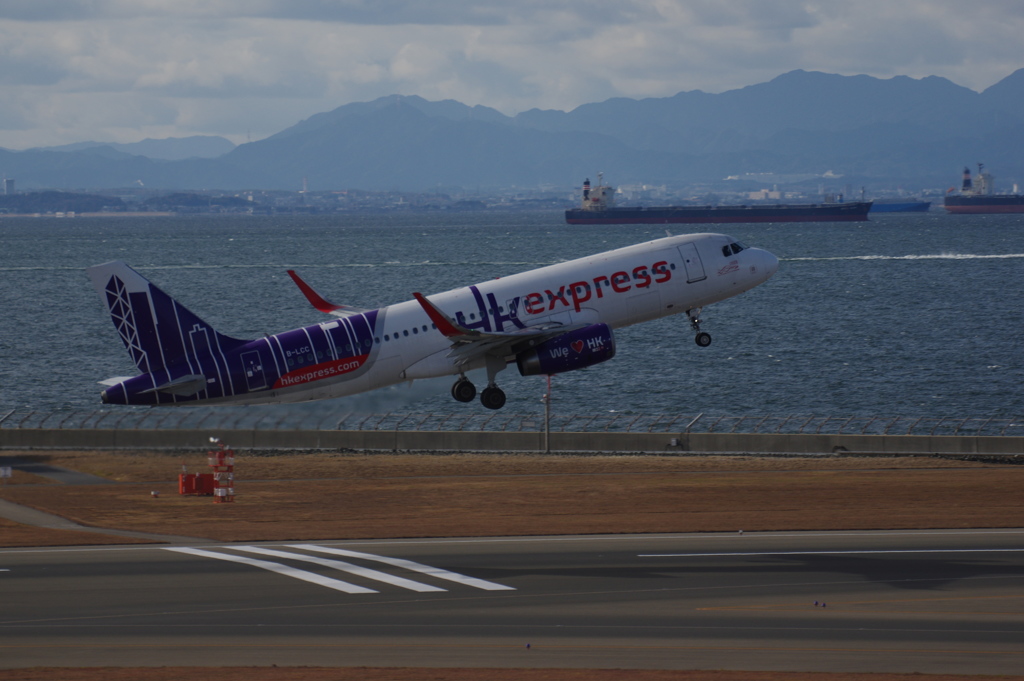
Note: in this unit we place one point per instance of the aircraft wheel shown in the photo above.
(463, 390)
(703, 339)
(493, 398)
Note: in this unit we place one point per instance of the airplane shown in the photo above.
(549, 320)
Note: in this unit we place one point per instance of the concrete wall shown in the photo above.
(40, 438)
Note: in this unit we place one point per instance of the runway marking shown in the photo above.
(410, 565)
(936, 600)
(731, 536)
(838, 552)
(774, 607)
(852, 607)
(506, 646)
(345, 567)
(312, 577)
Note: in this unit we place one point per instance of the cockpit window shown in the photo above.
(732, 249)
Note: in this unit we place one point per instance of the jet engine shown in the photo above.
(573, 350)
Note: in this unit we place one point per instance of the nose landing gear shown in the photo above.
(703, 338)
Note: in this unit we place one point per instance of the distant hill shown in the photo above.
(52, 202)
(169, 149)
(395, 143)
(871, 131)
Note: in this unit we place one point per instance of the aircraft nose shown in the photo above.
(770, 264)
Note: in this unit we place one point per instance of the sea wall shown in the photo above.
(485, 441)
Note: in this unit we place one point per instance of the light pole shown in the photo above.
(547, 417)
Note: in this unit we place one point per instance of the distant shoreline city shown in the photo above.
(139, 202)
(71, 205)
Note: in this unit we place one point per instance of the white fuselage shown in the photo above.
(549, 320)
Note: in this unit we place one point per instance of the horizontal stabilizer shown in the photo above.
(115, 380)
(184, 386)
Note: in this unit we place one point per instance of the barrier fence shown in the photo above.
(289, 419)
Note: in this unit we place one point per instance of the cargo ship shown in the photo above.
(977, 197)
(598, 208)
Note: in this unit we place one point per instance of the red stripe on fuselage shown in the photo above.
(316, 372)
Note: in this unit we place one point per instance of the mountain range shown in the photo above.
(917, 133)
(170, 149)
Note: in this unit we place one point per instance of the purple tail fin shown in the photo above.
(157, 330)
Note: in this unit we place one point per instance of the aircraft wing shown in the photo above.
(320, 303)
(470, 344)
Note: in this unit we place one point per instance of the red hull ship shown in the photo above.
(975, 198)
(598, 208)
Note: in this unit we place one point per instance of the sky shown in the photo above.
(126, 70)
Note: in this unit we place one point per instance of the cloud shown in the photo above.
(46, 10)
(231, 66)
(17, 70)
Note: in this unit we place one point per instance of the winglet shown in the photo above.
(443, 322)
(312, 296)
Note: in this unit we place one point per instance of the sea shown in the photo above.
(904, 315)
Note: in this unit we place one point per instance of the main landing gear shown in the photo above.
(492, 397)
(463, 390)
(703, 338)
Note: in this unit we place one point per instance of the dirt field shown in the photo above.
(333, 496)
(340, 496)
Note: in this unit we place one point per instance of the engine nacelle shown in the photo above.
(573, 350)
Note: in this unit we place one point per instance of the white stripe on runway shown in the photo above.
(345, 567)
(839, 552)
(410, 565)
(312, 577)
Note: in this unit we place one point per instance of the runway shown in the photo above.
(907, 601)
